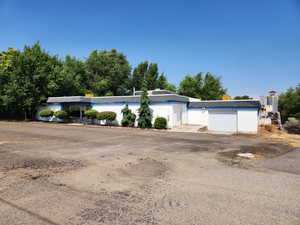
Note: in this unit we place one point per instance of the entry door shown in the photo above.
(222, 121)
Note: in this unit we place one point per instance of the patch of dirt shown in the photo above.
(146, 167)
(273, 134)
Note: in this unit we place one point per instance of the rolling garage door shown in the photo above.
(222, 121)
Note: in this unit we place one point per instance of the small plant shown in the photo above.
(61, 114)
(46, 113)
(91, 114)
(160, 123)
(107, 115)
(128, 117)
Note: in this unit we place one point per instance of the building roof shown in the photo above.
(155, 92)
(226, 104)
(112, 99)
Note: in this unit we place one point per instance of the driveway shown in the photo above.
(59, 174)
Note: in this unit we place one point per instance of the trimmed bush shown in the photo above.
(128, 117)
(91, 114)
(107, 115)
(61, 114)
(160, 123)
(46, 113)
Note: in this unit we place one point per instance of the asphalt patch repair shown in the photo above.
(127, 207)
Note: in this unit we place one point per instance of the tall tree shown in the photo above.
(191, 86)
(109, 72)
(149, 72)
(144, 112)
(208, 89)
(6, 66)
(212, 88)
(152, 76)
(289, 103)
(74, 79)
(32, 79)
(138, 75)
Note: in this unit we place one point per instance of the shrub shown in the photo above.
(292, 125)
(160, 123)
(297, 116)
(91, 114)
(46, 113)
(128, 117)
(61, 114)
(107, 115)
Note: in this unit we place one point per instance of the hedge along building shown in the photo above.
(227, 116)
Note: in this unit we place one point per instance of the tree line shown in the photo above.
(29, 76)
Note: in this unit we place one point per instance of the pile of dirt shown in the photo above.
(273, 134)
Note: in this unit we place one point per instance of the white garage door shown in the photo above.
(222, 121)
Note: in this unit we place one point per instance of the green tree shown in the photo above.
(208, 89)
(289, 103)
(191, 86)
(31, 80)
(171, 87)
(108, 72)
(145, 114)
(6, 66)
(73, 79)
(149, 73)
(162, 83)
(212, 88)
(243, 97)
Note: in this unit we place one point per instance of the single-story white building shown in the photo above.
(226, 116)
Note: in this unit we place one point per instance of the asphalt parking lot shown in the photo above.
(60, 174)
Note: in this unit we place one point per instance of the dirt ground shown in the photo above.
(84, 175)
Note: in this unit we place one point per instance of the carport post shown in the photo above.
(80, 113)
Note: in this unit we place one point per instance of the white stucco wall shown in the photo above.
(54, 108)
(247, 121)
(197, 116)
(158, 110)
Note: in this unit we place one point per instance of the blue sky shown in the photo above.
(253, 45)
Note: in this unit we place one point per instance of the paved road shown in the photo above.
(289, 162)
(58, 174)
